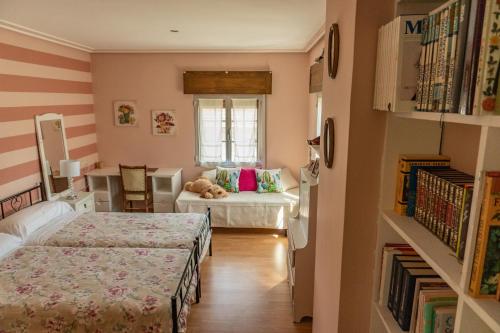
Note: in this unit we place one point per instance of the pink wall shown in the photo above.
(349, 192)
(155, 82)
(37, 77)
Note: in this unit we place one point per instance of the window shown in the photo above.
(319, 108)
(230, 130)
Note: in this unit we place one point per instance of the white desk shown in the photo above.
(165, 184)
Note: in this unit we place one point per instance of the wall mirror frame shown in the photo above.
(52, 147)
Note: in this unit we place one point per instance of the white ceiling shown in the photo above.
(144, 25)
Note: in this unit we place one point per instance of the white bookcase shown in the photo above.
(473, 143)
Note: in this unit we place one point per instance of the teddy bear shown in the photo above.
(206, 189)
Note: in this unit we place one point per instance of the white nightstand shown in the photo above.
(84, 203)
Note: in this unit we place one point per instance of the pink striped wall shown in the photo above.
(37, 77)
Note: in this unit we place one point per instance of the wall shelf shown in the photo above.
(439, 256)
(491, 121)
(387, 319)
(487, 309)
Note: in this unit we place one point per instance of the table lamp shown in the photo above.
(70, 169)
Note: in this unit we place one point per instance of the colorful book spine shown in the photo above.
(428, 312)
(434, 62)
(457, 20)
(421, 64)
(491, 69)
(485, 267)
(476, 109)
(464, 221)
(444, 319)
(441, 60)
(428, 63)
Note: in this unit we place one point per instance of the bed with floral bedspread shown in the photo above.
(143, 230)
(60, 289)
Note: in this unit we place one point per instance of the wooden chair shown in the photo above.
(135, 187)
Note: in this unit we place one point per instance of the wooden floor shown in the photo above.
(244, 287)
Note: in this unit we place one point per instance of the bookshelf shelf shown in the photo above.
(491, 121)
(487, 309)
(431, 249)
(387, 319)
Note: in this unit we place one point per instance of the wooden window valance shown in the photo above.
(316, 77)
(231, 82)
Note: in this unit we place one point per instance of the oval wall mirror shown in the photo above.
(333, 50)
(329, 142)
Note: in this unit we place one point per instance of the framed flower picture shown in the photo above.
(125, 113)
(164, 122)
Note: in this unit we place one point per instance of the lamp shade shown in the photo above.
(69, 168)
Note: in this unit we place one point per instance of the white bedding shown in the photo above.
(40, 236)
(244, 209)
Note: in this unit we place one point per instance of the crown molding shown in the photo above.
(198, 51)
(314, 39)
(41, 35)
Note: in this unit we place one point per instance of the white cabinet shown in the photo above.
(302, 248)
(84, 202)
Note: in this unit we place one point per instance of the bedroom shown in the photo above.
(224, 166)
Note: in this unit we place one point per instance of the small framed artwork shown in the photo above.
(315, 170)
(164, 122)
(125, 113)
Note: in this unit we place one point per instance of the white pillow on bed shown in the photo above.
(288, 181)
(210, 174)
(8, 243)
(30, 219)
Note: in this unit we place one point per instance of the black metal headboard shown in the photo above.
(21, 200)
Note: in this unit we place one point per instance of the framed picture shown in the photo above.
(164, 122)
(125, 113)
(315, 170)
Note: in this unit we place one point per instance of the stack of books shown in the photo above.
(443, 203)
(418, 298)
(459, 60)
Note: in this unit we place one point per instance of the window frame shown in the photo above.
(261, 130)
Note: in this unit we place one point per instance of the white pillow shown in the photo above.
(288, 181)
(8, 243)
(210, 174)
(28, 220)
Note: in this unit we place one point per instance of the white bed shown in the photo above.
(244, 209)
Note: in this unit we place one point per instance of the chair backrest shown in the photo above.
(134, 178)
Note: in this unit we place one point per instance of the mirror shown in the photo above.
(52, 148)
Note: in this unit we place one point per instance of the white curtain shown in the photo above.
(212, 130)
(244, 126)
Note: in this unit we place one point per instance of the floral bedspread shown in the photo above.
(130, 230)
(58, 289)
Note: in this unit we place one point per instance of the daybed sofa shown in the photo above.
(246, 209)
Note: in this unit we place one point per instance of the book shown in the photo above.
(444, 319)
(486, 263)
(428, 313)
(446, 296)
(399, 291)
(434, 61)
(413, 180)
(465, 93)
(397, 264)
(407, 293)
(405, 163)
(388, 253)
(481, 60)
(421, 63)
(421, 284)
(491, 68)
(464, 220)
(441, 62)
(457, 22)
(429, 33)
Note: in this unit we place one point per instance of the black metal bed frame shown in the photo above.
(182, 293)
(20, 201)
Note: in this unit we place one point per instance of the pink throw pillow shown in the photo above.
(248, 180)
